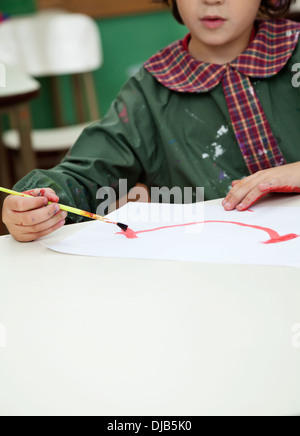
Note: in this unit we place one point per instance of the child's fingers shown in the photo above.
(33, 217)
(23, 204)
(245, 190)
(43, 226)
(237, 193)
(243, 202)
(44, 192)
(30, 237)
(30, 218)
(235, 182)
(250, 199)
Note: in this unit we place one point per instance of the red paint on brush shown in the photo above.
(88, 214)
(274, 236)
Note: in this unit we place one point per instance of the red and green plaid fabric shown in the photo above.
(267, 54)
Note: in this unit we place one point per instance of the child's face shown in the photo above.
(236, 19)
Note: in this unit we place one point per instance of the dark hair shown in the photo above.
(268, 8)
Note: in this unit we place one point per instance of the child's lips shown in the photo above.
(213, 22)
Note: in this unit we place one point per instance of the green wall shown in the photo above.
(14, 7)
(127, 43)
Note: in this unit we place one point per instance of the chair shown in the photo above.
(19, 89)
(53, 44)
(16, 90)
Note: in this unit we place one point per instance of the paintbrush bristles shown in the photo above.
(123, 227)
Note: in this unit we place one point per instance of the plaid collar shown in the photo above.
(270, 50)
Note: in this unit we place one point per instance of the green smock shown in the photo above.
(159, 137)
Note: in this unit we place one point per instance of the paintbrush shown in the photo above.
(83, 213)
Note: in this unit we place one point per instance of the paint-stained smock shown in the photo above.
(159, 137)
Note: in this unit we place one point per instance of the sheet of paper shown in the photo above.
(265, 235)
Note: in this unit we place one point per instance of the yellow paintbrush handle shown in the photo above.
(62, 206)
(70, 209)
(80, 212)
(10, 192)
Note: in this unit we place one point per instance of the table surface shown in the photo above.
(98, 336)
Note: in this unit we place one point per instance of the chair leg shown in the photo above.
(93, 106)
(58, 113)
(22, 119)
(79, 103)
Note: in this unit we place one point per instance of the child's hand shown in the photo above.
(28, 219)
(245, 192)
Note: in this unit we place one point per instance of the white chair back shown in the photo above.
(51, 43)
(17, 82)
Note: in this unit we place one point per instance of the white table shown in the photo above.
(125, 337)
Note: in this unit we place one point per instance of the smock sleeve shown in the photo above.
(108, 150)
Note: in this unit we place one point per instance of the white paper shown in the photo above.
(197, 241)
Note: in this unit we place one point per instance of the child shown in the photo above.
(219, 109)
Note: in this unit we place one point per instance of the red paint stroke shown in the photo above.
(274, 236)
(130, 234)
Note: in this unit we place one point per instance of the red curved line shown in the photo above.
(274, 236)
